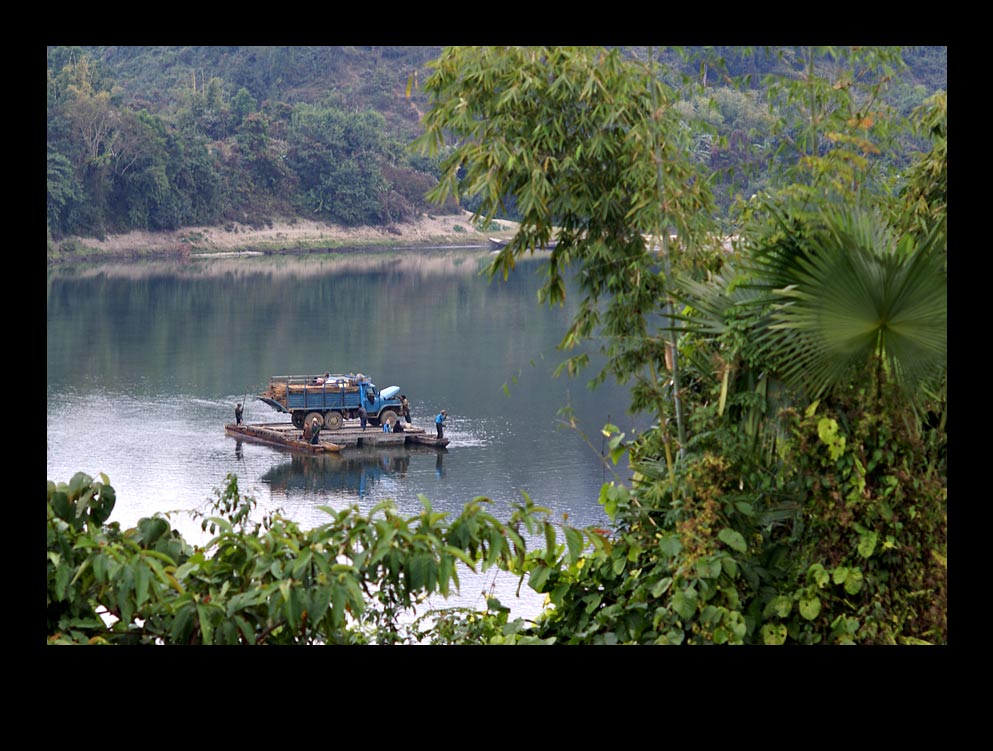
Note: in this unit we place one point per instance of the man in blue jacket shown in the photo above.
(439, 421)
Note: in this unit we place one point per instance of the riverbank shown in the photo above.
(278, 236)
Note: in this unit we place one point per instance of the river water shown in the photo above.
(146, 361)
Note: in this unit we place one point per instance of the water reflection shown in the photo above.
(349, 474)
(412, 264)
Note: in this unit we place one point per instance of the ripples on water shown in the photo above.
(168, 455)
(141, 359)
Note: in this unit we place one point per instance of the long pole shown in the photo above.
(667, 268)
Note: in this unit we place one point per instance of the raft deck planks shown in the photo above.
(350, 435)
(290, 439)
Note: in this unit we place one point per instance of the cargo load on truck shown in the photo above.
(332, 399)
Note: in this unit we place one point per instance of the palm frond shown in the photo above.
(844, 293)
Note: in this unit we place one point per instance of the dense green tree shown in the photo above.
(130, 169)
(261, 155)
(924, 196)
(243, 104)
(64, 194)
(724, 539)
(336, 156)
(826, 341)
(597, 155)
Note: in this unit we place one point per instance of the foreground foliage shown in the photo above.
(844, 541)
(358, 579)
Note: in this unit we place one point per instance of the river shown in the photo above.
(146, 361)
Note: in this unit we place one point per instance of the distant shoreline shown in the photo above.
(281, 236)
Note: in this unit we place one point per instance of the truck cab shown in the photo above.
(377, 402)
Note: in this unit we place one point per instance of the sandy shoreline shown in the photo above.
(280, 236)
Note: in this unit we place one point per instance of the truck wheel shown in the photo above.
(314, 416)
(388, 415)
(298, 420)
(333, 420)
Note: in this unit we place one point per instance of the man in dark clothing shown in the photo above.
(237, 413)
(315, 431)
(398, 427)
(363, 415)
(405, 406)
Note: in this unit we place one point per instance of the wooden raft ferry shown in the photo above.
(287, 438)
(284, 434)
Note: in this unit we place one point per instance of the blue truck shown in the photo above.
(332, 399)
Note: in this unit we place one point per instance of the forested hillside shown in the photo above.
(157, 138)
